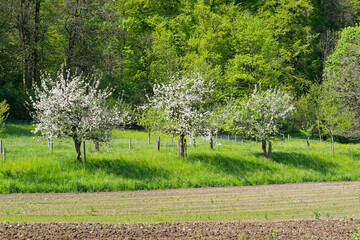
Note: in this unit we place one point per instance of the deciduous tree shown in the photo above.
(180, 106)
(335, 118)
(264, 113)
(343, 78)
(72, 106)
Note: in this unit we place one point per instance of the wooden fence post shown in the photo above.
(0, 146)
(158, 144)
(84, 152)
(4, 154)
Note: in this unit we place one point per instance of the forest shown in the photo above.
(131, 45)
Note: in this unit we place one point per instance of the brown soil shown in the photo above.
(295, 229)
(316, 210)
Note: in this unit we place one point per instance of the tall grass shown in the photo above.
(30, 167)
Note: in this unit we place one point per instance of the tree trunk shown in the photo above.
(72, 37)
(35, 68)
(332, 144)
(97, 146)
(270, 149)
(182, 145)
(84, 152)
(264, 147)
(211, 142)
(77, 143)
(320, 138)
(23, 24)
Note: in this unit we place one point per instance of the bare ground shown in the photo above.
(300, 229)
(290, 211)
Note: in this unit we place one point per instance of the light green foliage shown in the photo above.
(291, 26)
(342, 78)
(233, 118)
(210, 39)
(307, 114)
(217, 120)
(335, 118)
(356, 235)
(304, 116)
(256, 57)
(150, 119)
(4, 112)
(349, 38)
(317, 215)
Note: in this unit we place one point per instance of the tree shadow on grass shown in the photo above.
(19, 130)
(304, 161)
(230, 165)
(125, 169)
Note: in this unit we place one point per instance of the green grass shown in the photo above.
(30, 167)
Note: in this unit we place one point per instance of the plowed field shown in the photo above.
(302, 229)
(291, 211)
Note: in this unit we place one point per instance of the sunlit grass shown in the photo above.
(30, 167)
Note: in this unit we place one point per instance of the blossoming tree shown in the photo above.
(69, 106)
(179, 106)
(263, 114)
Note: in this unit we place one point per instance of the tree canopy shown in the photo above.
(135, 44)
(70, 107)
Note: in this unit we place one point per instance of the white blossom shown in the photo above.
(261, 116)
(180, 106)
(68, 106)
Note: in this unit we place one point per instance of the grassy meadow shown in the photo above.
(30, 166)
